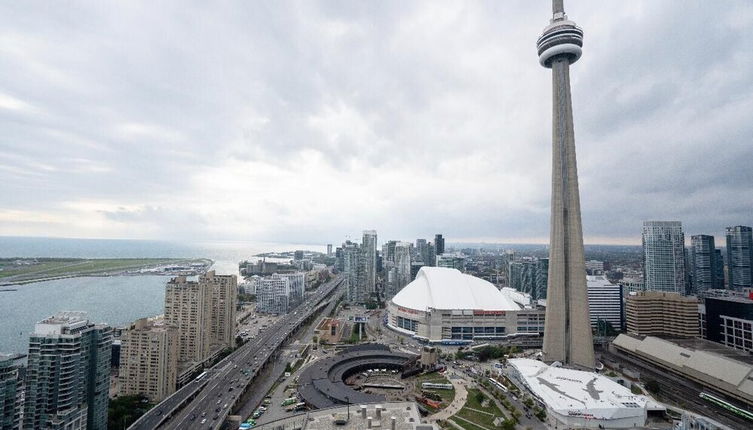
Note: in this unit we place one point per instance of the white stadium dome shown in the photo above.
(445, 288)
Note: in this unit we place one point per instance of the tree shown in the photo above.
(125, 410)
(540, 414)
(238, 341)
(480, 397)
(508, 424)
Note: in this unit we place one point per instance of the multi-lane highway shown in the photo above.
(206, 402)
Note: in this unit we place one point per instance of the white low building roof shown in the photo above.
(445, 288)
(575, 392)
(716, 367)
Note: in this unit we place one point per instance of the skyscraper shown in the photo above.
(351, 252)
(438, 244)
(703, 256)
(203, 312)
(184, 309)
(149, 359)
(221, 302)
(422, 249)
(740, 257)
(389, 255)
(68, 374)
(567, 333)
(663, 256)
(402, 263)
(719, 268)
(9, 405)
(329, 249)
(368, 262)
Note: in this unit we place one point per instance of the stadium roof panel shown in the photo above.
(445, 288)
(578, 393)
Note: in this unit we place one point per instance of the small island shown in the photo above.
(17, 271)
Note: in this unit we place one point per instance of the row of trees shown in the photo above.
(489, 352)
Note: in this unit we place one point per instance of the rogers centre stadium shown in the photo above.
(443, 305)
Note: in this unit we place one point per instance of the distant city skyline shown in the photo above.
(262, 123)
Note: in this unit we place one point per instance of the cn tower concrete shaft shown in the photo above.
(567, 333)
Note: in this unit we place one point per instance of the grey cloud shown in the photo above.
(132, 101)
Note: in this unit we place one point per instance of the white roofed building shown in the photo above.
(578, 399)
(445, 305)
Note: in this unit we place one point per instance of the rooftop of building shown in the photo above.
(721, 367)
(650, 343)
(596, 281)
(405, 413)
(56, 324)
(736, 299)
(445, 288)
(569, 391)
(67, 317)
(663, 294)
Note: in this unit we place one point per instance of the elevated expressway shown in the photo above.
(206, 403)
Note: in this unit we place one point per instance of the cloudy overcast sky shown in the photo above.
(308, 121)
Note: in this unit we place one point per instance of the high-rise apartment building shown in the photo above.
(368, 262)
(392, 283)
(339, 262)
(9, 390)
(273, 295)
(203, 311)
(567, 334)
(149, 359)
(739, 257)
(438, 244)
(329, 249)
(719, 268)
(351, 258)
(657, 313)
(295, 289)
(664, 256)
(68, 374)
(703, 261)
(402, 264)
(529, 275)
(184, 308)
(221, 301)
(431, 253)
(542, 278)
(422, 251)
(388, 249)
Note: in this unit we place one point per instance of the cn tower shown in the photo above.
(567, 332)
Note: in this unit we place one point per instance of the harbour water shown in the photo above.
(113, 300)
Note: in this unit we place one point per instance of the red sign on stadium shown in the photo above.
(480, 312)
(410, 311)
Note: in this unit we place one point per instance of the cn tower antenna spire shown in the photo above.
(557, 6)
(567, 330)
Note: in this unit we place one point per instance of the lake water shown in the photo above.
(113, 300)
